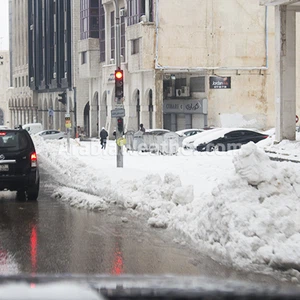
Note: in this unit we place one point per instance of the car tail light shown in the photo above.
(33, 160)
(2, 133)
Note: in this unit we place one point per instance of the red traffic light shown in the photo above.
(118, 74)
(119, 92)
(120, 125)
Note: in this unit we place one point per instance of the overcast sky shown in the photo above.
(4, 25)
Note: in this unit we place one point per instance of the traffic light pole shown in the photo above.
(118, 66)
(68, 129)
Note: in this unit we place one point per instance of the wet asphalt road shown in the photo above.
(49, 237)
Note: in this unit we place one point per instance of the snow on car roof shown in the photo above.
(191, 139)
(157, 129)
(183, 131)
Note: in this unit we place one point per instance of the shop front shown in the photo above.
(185, 114)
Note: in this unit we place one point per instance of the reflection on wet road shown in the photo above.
(50, 237)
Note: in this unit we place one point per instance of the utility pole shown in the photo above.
(120, 130)
(64, 99)
(69, 123)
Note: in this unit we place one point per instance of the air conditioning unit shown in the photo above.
(123, 12)
(31, 79)
(54, 75)
(183, 92)
(170, 91)
(112, 61)
(66, 74)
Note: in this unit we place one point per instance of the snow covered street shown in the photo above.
(239, 206)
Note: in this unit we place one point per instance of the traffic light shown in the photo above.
(119, 93)
(120, 125)
(62, 98)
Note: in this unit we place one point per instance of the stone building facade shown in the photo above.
(208, 63)
(174, 57)
(22, 105)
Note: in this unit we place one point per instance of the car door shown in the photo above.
(234, 139)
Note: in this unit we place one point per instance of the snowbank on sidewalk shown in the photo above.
(253, 217)
(247, 209)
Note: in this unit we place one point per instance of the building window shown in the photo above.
(123, 38)
(89, 19)
(19, 81)
(83, 57)
(135, 46)
(112, 35)
(16, 82)
(23, 81)
(102, 31)
(137, 8)
(197, 84)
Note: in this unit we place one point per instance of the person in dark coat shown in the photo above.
(142, 128)
(103, 138)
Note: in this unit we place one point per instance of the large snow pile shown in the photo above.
(254, 217)
(248, 211)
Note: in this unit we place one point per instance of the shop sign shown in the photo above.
(216, 82)
(111, 77)
(183, 106)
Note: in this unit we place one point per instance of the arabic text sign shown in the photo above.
(118, 113)
(183, 106)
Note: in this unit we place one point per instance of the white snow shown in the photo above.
(237, 205)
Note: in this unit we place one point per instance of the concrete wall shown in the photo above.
(206, 33)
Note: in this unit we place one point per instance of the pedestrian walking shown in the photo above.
(103, 138)
(142, 128)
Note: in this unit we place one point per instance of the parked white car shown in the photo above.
(157, 131)
(188, 132)
(33, 128)
(51, 134)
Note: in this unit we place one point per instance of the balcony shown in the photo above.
(143, 59)
(89, 56)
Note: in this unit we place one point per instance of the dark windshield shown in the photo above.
(13, 140)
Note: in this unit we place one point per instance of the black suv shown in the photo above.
(18, 164)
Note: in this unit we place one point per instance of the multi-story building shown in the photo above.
(22, 105)
(45, 62)
(53, 60)
(4, 85)
(186, 63)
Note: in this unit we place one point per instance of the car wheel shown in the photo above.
(210, 147)
(33, 192)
